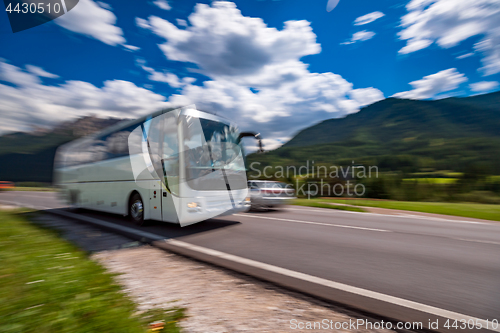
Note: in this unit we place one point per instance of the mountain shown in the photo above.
(400, 119)
(30, 156)
(456, 134)
(40, 139)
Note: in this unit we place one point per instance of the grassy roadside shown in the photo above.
(472, 210)
(324, 204)
(432, 180)
(48, 285)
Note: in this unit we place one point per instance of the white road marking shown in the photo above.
(412, 216)
(336, 285)
(363, 228)
(475, 240)
(309, 222)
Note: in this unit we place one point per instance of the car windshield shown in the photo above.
(212, 155)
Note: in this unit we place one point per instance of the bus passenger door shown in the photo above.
(170, 166)
(153, 127)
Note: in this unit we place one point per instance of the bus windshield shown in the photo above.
(213, 158)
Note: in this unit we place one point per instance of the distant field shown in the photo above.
(494, 178)
(36, 189)
(472, 210)
(432, 180)
(48, 285)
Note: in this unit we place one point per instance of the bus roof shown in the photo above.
(130, 122)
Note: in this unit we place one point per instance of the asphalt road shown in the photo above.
(445, 263)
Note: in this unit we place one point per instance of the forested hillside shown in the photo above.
(407, 135)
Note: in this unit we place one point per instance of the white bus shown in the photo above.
(180, 165)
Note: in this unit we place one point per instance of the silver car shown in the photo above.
(269, 194)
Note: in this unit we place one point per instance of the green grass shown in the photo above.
(47, 286)
(322, 204)
(473, 210)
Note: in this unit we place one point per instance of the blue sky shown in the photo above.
(241, 59)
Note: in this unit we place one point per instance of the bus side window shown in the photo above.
(89, 152)
(98, 150)
(117, 142)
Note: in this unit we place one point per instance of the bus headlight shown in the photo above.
(192, 205)
(247, 201)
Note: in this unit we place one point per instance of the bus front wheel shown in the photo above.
(136, 210)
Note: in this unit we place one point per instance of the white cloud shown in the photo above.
(449, 22)
(222, 42)
(142, 23)
(484, 86)
(368, 18)
(30, 102)
(163, 4)
(104, 5)
(166, 77)
(466, 55)
(38, 71)
(256, 76)
(131, 47)
(359, 36)
(182, 23)
(415, 45)
(325, 92)
(432, 86)
(331, 4)
(94, 21)
(15, 75)
(363, 35)
(366, 96)
(490, 46)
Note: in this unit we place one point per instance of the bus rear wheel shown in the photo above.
(136, 210)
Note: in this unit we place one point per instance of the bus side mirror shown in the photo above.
(254, 135)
